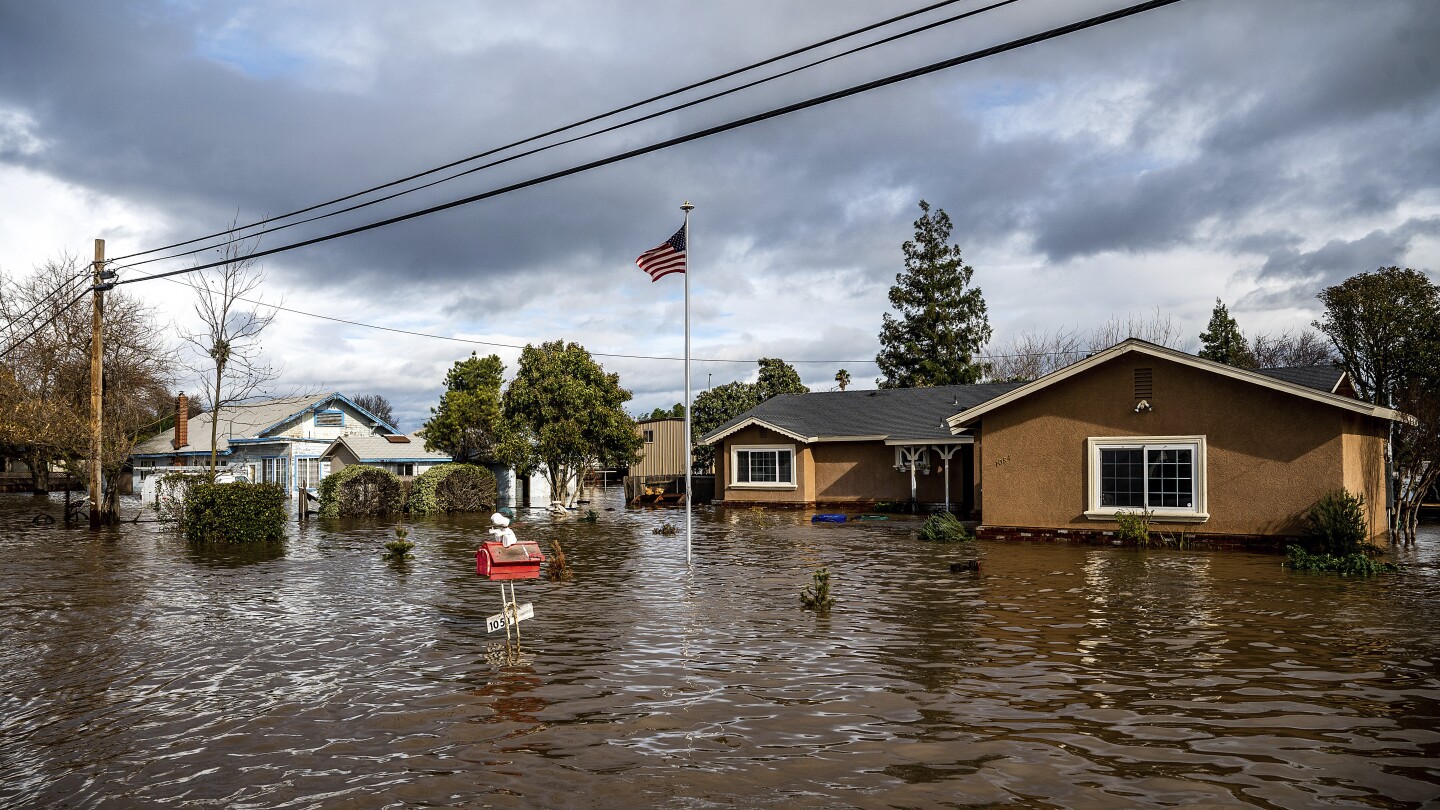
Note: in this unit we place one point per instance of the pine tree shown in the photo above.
(942, 323)
(1222, 340)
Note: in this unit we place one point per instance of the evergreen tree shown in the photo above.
(469, 424)
(943, 322)
(1222, 340)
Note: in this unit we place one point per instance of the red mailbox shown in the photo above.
(498, 563)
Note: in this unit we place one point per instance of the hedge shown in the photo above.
(453, 488)
(360, 490)
(234, 513)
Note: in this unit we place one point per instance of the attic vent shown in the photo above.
(1144, 383)
(398, 439)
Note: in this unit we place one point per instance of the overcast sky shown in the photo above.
(1255, 152)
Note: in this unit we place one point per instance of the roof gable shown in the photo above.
(965, 418)
(248, 420)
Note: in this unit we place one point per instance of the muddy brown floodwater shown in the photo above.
(140, 672)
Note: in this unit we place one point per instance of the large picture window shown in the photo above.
(1163, 475)
(762, 466)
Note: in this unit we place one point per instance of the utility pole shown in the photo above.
(97, 372)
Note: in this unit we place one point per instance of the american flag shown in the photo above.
(665, 259)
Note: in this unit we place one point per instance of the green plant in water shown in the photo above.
(591, 516)
(1335, 525)
(1358, 564)
(817, 597)
(234, 513)
(668, 529)
(399, 548)
(1133, 527)
(944, 527)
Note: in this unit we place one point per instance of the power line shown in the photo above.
(556, 131)
(65, 287)
(496, 344)
(704, 133)
(37, 330)
(557, 144)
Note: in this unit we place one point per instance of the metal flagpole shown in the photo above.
(689, 457)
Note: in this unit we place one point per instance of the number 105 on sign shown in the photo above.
(497, 622)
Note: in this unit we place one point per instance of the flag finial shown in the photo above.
(687, 206)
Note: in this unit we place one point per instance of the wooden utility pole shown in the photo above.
(97, 371)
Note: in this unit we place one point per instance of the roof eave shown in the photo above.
(966, 418)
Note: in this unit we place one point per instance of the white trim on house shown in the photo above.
(961, 420)
(966, 439)
(733, 467)
(762, 423)
(1197, 512)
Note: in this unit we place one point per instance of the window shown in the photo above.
(649, 437)
(764, 466)
(276, 471)
(307, 473)
(1164, 475)
(330, 418)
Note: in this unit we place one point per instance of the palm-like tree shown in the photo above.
(843, 378)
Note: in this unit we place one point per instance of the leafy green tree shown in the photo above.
(675, 412)
(567, 415)
(722, 403)
(469, 424)
(1222, 341)
(943, 322)
(714, 408)
(778, 377)
(1383, 325)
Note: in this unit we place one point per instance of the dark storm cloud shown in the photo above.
(1295, 277)
(1293, 105)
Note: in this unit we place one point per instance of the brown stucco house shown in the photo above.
(1210, 450)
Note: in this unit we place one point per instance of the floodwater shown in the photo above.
(140, 672)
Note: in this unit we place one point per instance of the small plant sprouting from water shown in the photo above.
(1134, 527)
(668, 529)
(1358, 564)
(399, 548)
(944, 527)
(817, 597)
(591, 516)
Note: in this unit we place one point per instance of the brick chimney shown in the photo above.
(182, 421)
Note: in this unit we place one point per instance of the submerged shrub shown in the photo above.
(1335, 525)
(453, 488)
(360, 490)
(234, 513)
(1133, 527)
(170, 491)
(1357, 564)
(943, 527)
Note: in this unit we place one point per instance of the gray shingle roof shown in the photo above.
(378, 449)
(1322, 378)
(894, 413)
(239, 421)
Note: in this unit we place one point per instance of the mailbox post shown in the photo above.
(498, 562)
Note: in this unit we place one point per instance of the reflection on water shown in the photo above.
(142, 672)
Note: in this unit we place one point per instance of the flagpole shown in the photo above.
(689, 452)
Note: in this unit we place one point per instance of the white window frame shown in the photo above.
(735, 450)
(1198, 513)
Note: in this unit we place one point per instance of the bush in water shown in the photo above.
(453, 488)
(234, 513)
(360, 490)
